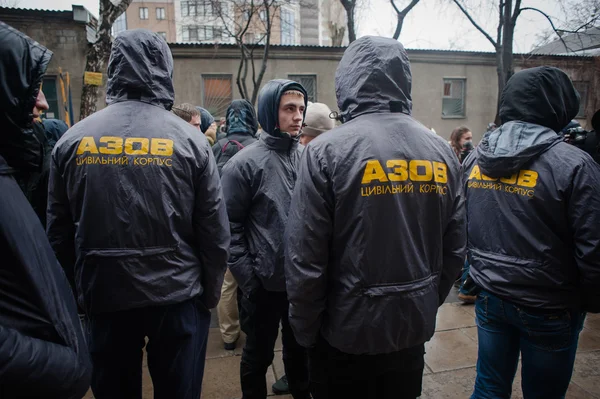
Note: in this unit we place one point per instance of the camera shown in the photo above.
(587, 141)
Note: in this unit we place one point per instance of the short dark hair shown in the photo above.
(185, 111)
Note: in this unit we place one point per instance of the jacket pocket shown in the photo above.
(393, 289)
(129, 252)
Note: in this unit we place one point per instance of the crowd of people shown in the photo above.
(145, 215)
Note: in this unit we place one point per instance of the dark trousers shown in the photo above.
(338, 375)
(260, 316)
(177, 336)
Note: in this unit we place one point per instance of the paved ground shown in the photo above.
(450, 361)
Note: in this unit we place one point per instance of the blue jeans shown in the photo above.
(177, 336)
(545, 339)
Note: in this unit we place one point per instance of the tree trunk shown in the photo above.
(351, 27)
(501, 82)
(89, 94)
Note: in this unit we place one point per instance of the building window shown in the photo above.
(160, 13)
(453, 99)
(188, 8)
(120, 24)
(143, 12)
(249, 38)
(288, 28)
(216, 93)
(163, 35)
(49, 89)
(309, 82)
(263, 15)
(190, 33)
(582, 88)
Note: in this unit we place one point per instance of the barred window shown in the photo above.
(310, 84)
(453, 98)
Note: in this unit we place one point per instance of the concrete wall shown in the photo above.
(429, 68)
(57, 31)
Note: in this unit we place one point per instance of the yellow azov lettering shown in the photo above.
(440, 172)
(527, 178)
(414, 170)
(144, 144)
(87, 144)
(399, 169)
(475, 173)
(162, 147)
(114, 145)
(510, 180)
(373, 171)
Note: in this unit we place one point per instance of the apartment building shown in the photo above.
(155, 15)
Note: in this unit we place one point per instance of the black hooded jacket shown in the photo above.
(135, 209)
(376, 232)
(241, 132)
(258, 184)
(533, 201)
(42, 350)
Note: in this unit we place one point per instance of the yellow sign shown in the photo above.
(92, 78)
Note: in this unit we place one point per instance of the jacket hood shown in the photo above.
(55, 128)
(23, 63)
(373, 76)
(140, 68)
(542, 95)
(206, 119)
(268, 103)
(507, 149)
(241, 118)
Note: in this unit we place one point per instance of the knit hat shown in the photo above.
(317, 120)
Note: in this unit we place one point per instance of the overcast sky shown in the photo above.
(433, 24)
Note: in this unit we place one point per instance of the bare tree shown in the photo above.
(99, 51)
(10, 3)
(401, 14)
(251, 25)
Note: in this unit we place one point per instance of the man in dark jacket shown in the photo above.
(42, 350)
(534, 245)
(375, 235)
(258, 184)
(242, 126)
(136, 210)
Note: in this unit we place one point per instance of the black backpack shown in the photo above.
(227, 152)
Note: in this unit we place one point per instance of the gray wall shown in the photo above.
(429, 68)
(66, 38)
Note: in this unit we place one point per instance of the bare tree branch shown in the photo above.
(551, 24)
(350, 7)
(475, 24)
(401, 15)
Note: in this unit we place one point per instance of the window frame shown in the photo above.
(451, 80)
(144, 14)
(162, 15)
(583, 100)
(314, 76)
(227, 76)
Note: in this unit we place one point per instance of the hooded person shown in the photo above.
(534, 245)
(258, 184)
(136, 213)
(208, 126)
(317, 122)
(365, 273)
(42, 349)
(241, 125)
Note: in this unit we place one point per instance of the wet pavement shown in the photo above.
(450, 359)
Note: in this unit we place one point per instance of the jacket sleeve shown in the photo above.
(308, 234)
(60, 225)
(211, 230)
(584, 219)
(238, 197)
(36, 368)
(454, 242)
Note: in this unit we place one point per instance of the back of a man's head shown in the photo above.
(185, 111)
(140, 68)
(543, 96)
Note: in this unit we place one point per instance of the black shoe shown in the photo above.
(229, 346)
(281, 386)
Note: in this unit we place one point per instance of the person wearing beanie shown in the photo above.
(208, 125)
(317, 121)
